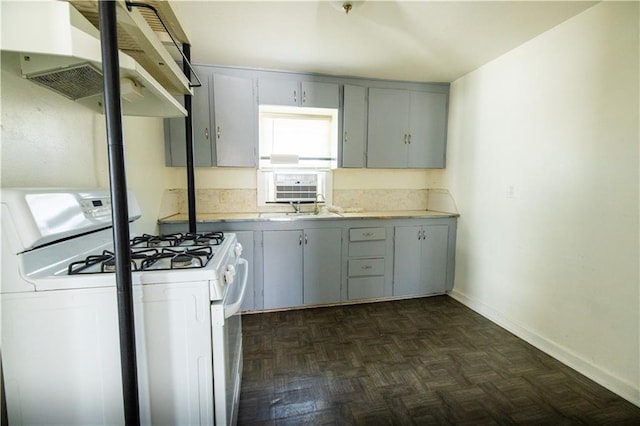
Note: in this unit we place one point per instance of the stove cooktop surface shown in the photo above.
(156, 253)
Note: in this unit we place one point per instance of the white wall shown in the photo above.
(50, 141)
(543, 161)
(144, 163)
(47, 140)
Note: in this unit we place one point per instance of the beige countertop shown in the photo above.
(232, 217)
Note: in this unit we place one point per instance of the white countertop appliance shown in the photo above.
(60, 350)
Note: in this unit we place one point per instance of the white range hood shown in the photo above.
(60, 49)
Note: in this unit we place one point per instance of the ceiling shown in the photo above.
(437, 41)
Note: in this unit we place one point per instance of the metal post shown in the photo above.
(191, 181)
(120, 209)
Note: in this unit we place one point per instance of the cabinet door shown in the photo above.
(235, 118)
(282, 268)
(354, 121)
(427, 127)
(322, 260)
(278, 92)
(246, 239)
(407, 268)
(388, 128)
(174, 128)
(434, 257)
(319, 95)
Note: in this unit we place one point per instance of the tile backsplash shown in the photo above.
(245, 200)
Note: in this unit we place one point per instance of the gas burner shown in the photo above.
(213, 238)
(81, 265)
(107, 261)
(182, 261)
(109, 265)
(179, 258)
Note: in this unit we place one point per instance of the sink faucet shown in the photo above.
(296, 207)
(316, 210)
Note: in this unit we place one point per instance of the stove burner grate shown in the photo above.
(178, 239)
(181, 259)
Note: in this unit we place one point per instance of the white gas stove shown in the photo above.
(58, 298)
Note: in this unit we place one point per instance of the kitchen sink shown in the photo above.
(296, 215)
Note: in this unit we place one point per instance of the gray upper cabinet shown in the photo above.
(292, 92)
(320, 95)
(406, 129)
(235, 119)
(225, 123)
(384, 124)
(354, 119)
(174, 128)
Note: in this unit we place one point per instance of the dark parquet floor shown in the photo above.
(409, 362)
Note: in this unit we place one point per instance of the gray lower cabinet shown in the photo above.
(322, 259)
(366, 264)
(420, 260)
(406, 129)
(311, 262)
(301, 267)
(282, 257)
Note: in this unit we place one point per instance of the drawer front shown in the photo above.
(367, 234)
(367, 248)
(366, 267)
(365, 288)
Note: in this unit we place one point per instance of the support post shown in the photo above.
(119, 208)
(191, 184)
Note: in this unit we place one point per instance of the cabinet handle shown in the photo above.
(345, 137)
(409, 138)
(367, 267)
(367, 234)
(305, 239)
(300, 242)
(295, 96)
(419, 235)
(206, 133)
(218, 131)
(304, 96)
(405, 138)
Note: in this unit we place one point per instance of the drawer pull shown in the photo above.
(367, 234)
(367, 267)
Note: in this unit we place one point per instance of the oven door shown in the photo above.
(226, 332)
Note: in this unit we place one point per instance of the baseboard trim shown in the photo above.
(614, 384)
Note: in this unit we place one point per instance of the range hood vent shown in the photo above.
(76, 82)
(60, 49)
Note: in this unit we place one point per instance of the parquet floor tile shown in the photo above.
(409, 362)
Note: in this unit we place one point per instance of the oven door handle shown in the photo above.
(233, 307)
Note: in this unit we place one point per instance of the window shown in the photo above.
(295, 137)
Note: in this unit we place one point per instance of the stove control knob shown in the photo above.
(238, 249)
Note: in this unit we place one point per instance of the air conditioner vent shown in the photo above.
(297, 187)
